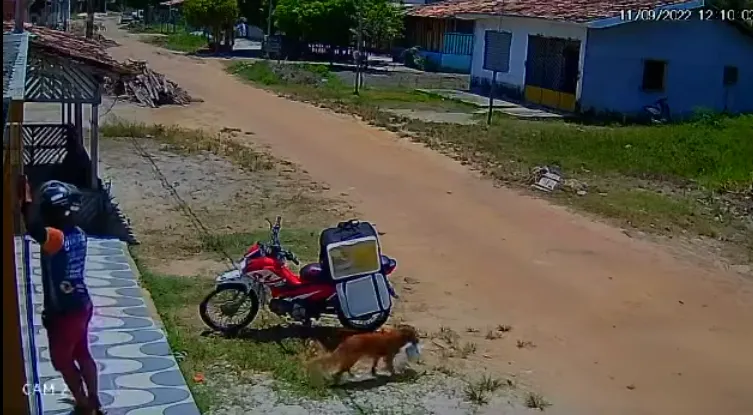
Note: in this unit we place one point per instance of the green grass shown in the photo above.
(180, 42)
(304, 240)
(317, 82)
(192, 141)
(717, 154)
(175, 298)
(168, 28)
(649, 177)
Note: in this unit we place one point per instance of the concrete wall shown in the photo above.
(449, 62)
(520, 28)
(456, 63)
(696, 53)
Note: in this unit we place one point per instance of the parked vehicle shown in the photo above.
(126, 17)
(263, 278)
(659, 112)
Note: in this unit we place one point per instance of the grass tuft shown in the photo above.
(190, 141)
(179, 42)
(536, 401)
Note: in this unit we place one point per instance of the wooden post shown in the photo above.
(491, 98)
(94, 146)
(15, 118)
(79, 122)
(15, 400)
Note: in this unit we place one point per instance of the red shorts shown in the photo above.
(68, 335)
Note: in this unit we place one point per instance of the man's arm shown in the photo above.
(50, 239)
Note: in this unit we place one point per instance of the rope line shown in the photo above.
(183, 206)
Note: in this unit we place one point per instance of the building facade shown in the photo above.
(694, 64)
(595, 57)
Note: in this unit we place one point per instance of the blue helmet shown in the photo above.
(56, 195)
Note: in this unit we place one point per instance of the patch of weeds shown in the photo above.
(317, 84)
(504, 328)
(525, 344)
(493, 335)
(646, 209)
(280, 75)
(164, 28)
(448, 335)
(446, 371)
(478, 392)
(476, 395)
(191, 141)
(467, 349)
(179, 42)
(691, 177)
(490, 384)
(534, 400)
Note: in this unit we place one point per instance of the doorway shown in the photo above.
(552, 71)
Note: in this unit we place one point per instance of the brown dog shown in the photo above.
(384, 344)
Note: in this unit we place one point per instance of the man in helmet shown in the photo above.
(67, 305)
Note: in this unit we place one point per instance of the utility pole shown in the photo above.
(20, 12)
(269, 30)
(269, 19)
(359, 41)
(89, 19)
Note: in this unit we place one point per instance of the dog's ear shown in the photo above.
(409, 331)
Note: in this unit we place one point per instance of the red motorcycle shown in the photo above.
(263, 278)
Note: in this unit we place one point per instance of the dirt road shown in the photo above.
(620, 326)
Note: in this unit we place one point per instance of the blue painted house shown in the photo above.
(446, 42)
(593, 55)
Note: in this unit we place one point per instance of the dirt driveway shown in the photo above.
(620, 325)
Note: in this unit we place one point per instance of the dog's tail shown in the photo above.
(318, 367)
(322, 363)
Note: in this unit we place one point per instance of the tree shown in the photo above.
(316, 21)
(383, 21)
(333, 22)
(217, 16)
(255, 11)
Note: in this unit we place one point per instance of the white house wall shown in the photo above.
(520, 29)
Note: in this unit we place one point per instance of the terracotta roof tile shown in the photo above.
(568, 10)
(72, 46)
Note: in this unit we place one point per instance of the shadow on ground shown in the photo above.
(328, 338)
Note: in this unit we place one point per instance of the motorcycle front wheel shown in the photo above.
(229, 308)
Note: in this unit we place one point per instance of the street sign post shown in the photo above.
(496, 59)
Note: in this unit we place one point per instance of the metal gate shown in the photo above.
(552, 70)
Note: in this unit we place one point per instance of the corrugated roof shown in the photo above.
(15, 46)
(72, 46)
(565, 10)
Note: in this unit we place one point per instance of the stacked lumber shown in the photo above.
(151, 88)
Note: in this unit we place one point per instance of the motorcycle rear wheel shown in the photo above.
(230, 328)
(368, 325)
